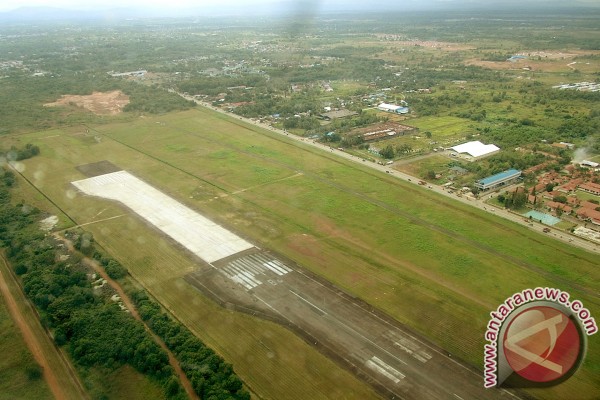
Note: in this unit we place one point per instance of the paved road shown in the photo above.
(506, 214)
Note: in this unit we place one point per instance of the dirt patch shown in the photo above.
(433, 44)
(100, 103)
(546, 61)
(97, 168)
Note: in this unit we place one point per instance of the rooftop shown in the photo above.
(498, 177)
(476, 148)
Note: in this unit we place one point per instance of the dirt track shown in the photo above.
(57, 372)
(185, 382)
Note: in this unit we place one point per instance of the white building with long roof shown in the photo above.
(476, 149)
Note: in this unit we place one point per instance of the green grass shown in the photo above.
(441, 127)
(440, 263)
(581, 195)
(16, 359)
(123, 383)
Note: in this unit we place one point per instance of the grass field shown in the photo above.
(124, 383)
(436, 265)
(441, 127)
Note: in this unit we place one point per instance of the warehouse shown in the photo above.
(501, 179)
(393, 108)
(474, 150)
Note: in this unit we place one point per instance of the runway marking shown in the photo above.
(244, 270)
(306, 301)
(384, 369)
(271, 307)
(457, 396)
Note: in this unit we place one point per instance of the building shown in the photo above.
(474, 150)
(590, 164)
(590, 187)
(338, 114)
(136, 74)
(501, 179)
(590, 215)
(381, 134)
(392, 108)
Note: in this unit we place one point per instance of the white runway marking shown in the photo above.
(384, 369)
(245, 270)
(308, 302)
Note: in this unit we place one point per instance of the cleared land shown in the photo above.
(100, 103)
(438, 266)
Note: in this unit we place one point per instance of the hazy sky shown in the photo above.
(7, 5)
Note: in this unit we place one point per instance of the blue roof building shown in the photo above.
(494, 181)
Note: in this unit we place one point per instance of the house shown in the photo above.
(590, 187)
(590, 215)
(554, 206)
(589, 205)
(459, 170)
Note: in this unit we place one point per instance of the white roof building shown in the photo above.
(476, 149)
(393, 108)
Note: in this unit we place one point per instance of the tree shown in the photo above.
(560, 199)
(519, 199)
(430, 174)
(387, 152)
(115, 270)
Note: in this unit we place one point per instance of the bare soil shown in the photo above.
(98, 168)
(100, 103)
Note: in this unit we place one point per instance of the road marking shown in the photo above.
(271, 307)
(308, 302)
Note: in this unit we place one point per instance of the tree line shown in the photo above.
(97, 333)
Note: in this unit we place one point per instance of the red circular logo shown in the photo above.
(541, 344)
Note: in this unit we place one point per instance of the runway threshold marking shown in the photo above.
(306, 301)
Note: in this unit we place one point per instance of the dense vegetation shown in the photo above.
(95, 330)
(81, 315)
(211, 377)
